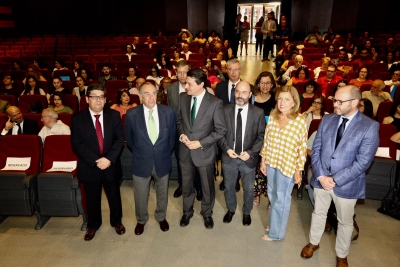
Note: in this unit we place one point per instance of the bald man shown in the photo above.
(376, 95)
(240, 148)
(17, 124)
(344, 147)
(52, 126)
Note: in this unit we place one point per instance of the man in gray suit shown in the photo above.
(268, 29)
(201, 123)
(240, 148)
(344, 147)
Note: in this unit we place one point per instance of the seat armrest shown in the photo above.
(75, 183)
(28, 181)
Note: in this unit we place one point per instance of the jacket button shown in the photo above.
(333, 157)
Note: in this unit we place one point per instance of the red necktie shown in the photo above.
(99, 134)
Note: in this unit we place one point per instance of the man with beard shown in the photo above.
(106, 74)
(241, 146)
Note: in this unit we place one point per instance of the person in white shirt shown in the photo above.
(186, 51)
(52, 126)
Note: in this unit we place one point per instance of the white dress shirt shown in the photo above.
(199, 99)
(181, 88)
(100, 120)
(14, 129)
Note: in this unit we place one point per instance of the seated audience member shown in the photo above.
(59, 65)
(135, 90)
(85, 74)
(329, 36)
(394, 115)
(374, 54)
(298, 61)
(218, 48)
(159, 34)
(123, 102)
(39, 64)
(57, 87)
(309, 89)
(4, 105)
(302, 75)
(177, 56)
(60, 104)
(221, 58)
(165, 64)
(337, 41)
(17, 64)
(330, 78)
(149, 41)
(376, 94)
(129, 52)
(158, 55)
(313, 37)
(34, 71)
(342, 57)
(363, 59)
(366, 107)
(185, 35)
(163, 91)
(200, 39)
(316, 110)
(52, 126)
(8, 86)
(389, 60)
(106, 74)
(324, 66)
(209, 64)
(17, 124)
(136, 41)
(226, 45)
(331, 50)
(285, 64)
(77, 65)
(363, 75)
(131, 78)
(155, 75)
(213, 37)
(32, 87)
(80, 89)
(186, 51)
(394, 82)
(211, 78)
(340, 84)
(390, 46)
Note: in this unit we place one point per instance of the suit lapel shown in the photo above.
(350, 130)
(188, 108)
(142, 123)
(107, 128)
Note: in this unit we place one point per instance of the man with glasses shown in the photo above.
(376, 95)
(52, 126)
(97, 139)
(330, 79)
(8, 88)
(343, 149)
(394, 82)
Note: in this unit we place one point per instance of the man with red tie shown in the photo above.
(97, 139)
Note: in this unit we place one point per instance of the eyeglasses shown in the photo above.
(97, 97)
(317, 103)
(233, 70)
(6, 78)
(340, 102)
(330, 71)
(267, 83)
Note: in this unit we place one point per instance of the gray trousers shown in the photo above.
(345, 212)
(141, 187)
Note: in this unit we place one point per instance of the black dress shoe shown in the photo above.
(237, 187)
(164, 226)
(228, 216)
(120, 229)
(185, 220)
(246, 220)
(208, 222)
(199, 195)
(90, 234)
(139, 229)
(178, 192)
(222, 185)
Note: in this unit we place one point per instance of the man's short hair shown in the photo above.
(8, 74)
(183, 63)
(198, 75)
(146, 83)
(95, 86)
(332, 66)
(50, 112)
(299, 57)
(106, 65)
(233, 61)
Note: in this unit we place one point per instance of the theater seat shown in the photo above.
(12, 99)
(18, 189)
(383, 111)
(25, 102)
(59, 193)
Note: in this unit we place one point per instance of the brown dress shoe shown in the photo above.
(120, 229)
(341, 262)
(139, 229)
(308, 251)
(90, 234)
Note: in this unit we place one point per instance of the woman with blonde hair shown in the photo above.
(283, 158)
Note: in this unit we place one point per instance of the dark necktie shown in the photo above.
(232, 100)
(19, 128)
(340, 131)
(193, 111)
(238, 139)
(99, 134)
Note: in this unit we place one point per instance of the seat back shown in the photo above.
(12, 99)
(313, 126)
(25, 102)
(61, 73)
(383, 111)
(65, 118)
(385, 132)
(57, 148)
(305, 104)
(115, 85)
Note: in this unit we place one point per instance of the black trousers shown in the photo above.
(259, 42)
(235, 43)
(93, 199)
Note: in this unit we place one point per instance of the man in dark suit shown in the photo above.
(226, 92)
(201, 123)
(17, 124)
(97, 139)
(236, 35)
(150, 131)
(240, 148)
(174, 90)
(344, 147)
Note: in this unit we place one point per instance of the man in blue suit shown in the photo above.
(150, 134)
(344, 147)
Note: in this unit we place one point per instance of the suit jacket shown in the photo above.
(173, 97)
(222, 92)
(86, 147)
(253, 135)
(352, 157)
(29, 127)
(145, 155)
(264, 28)
(208, 128)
